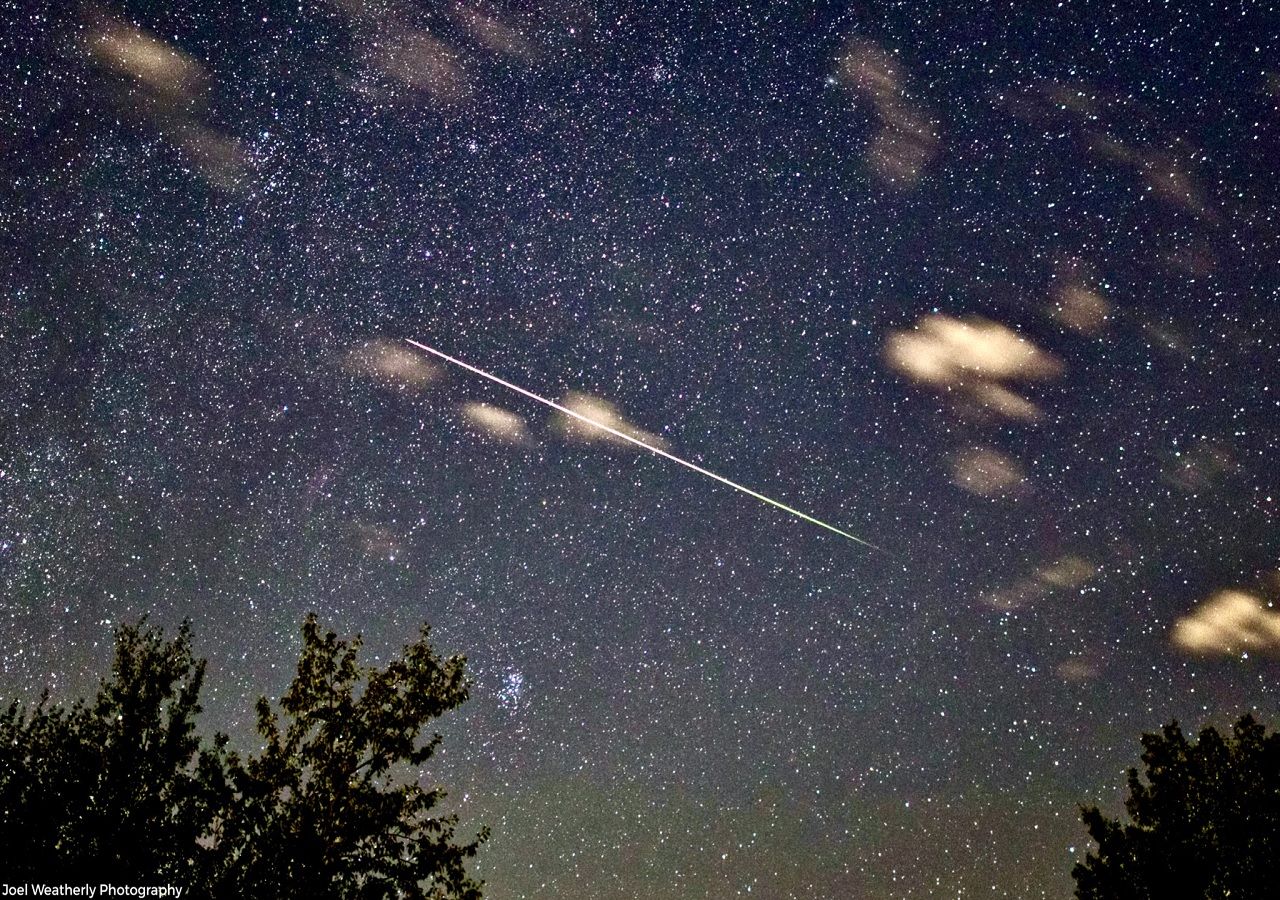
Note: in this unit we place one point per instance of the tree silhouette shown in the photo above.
(1205, 823)
(117, 789)
(121, 789)
(319, 806)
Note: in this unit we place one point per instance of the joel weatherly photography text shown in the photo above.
(90, 890)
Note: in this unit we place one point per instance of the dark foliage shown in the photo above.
(319, 807)
(121, 789)
(1205, 823)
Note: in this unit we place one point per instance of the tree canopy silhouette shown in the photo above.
(116, 788)
(1205, 822)
(122, 789)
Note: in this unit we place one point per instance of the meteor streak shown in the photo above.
(639, 443)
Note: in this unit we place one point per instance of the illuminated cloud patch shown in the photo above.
(604, 412)
(1081, 309)
(1067, 572)
(1078, 669)
(376, 540)
(166, 87)
(1230, 623)
(496, 422)
(1199, 467)
(391, 364)
(975, 359)
(401, 57)
(1166, 176)
(163, 70)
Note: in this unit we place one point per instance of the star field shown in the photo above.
(991, 286)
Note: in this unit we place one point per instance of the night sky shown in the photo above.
(992, 286)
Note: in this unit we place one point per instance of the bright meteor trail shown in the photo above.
(639, 443)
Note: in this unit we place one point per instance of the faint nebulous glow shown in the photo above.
(424, 64)
(1076, 302)
(1165, 163)
(1232, 623)
(376, 540)
(1193, 259)
(1078, 98)
(1077, 669)
(1167, 178)
(1064, 573)
(399, 58)
(219, 158)
(1080, 308)
(905, 140)
(390, 363)
(605, 413)
(496, 422)
(973, 358)
(986, 472)
(899, 154)
(1163, 332)
(1199, 467)
(998, 399)
(442, 53)
(1067, 571)
(871, 71)
(497, 35)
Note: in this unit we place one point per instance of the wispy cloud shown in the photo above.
(905, 140)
